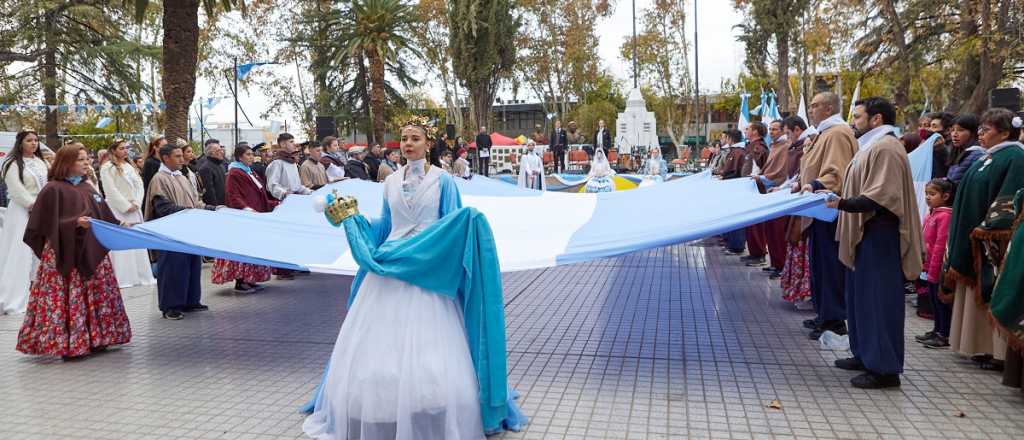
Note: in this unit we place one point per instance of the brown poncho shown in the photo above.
(882, 174)
(775, 166)
(826, 158)
(175, 188)
(54, 222)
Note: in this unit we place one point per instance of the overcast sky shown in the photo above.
(721, 56)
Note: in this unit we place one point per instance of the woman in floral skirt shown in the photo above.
(245, 190)
(74, 305)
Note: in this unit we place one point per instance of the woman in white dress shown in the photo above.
(655, 168)
(24, 171)
(122, 186)
(401, 367)
(600, 175)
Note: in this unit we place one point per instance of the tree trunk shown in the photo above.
(782, 49)
(180, 59)
(376, 94)
(901, 96)
(482, 98)
(49, 80)
(990, 63)
(969, 72)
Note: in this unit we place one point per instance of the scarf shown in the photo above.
(241, 166)
(873, 135)
(285, 156)
(832, 121)
(74, 180)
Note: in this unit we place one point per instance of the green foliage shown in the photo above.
(482, 40)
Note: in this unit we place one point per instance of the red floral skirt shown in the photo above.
(226, 271)
(71, 316)
(796, 273)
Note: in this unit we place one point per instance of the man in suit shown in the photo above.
(558, 144)
(483, 150)
(603, 138)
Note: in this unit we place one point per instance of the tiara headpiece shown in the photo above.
(423, 123)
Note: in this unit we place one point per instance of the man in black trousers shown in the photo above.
(558, 144)
(483, 151)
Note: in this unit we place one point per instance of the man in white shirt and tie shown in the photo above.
(602, 139)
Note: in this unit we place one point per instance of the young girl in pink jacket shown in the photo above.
(938, 193)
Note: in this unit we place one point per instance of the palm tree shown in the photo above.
(378, 31)
(181, 55)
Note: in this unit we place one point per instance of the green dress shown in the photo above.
(982, 218)
(1008, 299)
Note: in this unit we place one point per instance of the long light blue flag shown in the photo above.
(532, 229)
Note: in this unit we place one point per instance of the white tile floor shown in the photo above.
(678, 342)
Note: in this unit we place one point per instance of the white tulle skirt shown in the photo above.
(401, 370)
(131, 268)
(17, 261)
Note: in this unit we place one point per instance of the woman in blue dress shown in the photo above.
(411, 362)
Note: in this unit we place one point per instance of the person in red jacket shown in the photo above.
(938, 193)
(245, 190)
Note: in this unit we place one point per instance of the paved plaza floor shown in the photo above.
(677, 342)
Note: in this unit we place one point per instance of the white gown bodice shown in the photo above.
(414, 203)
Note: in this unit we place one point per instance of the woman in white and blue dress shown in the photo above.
(25, 173)
(402, 366)
(600, 175)
(655, 168)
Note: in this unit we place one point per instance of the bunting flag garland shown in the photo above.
(83, 108)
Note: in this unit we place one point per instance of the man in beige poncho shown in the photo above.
(178, 274)
(821, 168)
(879, 238)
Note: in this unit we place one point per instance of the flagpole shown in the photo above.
(234, 140)
(635, 80)
(696, 72)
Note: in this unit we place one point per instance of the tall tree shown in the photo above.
(767, 20)
(74, 49)
(379, 31)
(483, 41)
(663, 54)
(181, 55)
(556, 44)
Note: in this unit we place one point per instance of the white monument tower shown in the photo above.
(636, 126)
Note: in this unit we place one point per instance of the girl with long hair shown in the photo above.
(24, 173)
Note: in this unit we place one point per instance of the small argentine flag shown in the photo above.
(104, 122)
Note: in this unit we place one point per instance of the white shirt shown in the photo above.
(283, 179)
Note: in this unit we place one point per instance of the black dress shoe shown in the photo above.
(775, 275)
(925, 337)
(173, 315)
(837, 327)
(872, 381)
(811, 323)
(851, 364)
(755, 262)
(197, 308)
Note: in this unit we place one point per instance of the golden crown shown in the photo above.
(340, 207)
(421, 122)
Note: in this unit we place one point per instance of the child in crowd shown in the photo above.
(938, 193)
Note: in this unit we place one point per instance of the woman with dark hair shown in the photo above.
(74, 306)
(245, 190)
(24, 173)
(123, 189)
(910, 141)
(978, 234)
(966, 150)
(151, 165)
